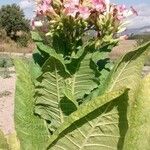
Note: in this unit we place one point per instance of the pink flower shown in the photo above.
(84, 12)
(71, 3)
(134, 11)
(107, 3)
(123, 13)
(99, 5)
(48, 2)
(44, 7)
(121, 10)
(71, 11)
(71, 7)
(36, 24)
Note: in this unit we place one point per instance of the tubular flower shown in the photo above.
(84, 12)
(44, 7)
(78, 16)
(120, 12)
(71, 11)
(99, 5)
(70, 7)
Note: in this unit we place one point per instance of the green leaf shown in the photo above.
(103, 65)
(13, 142)
(35, 69)
(98, 124)
(49, 92)
(36, 37)
(127, 71)
(45, 48)
(138, 135)
(52, 53)
(3, 142)
(83, 81)
(31, 130)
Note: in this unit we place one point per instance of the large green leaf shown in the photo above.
(13, 142)
(50, 93)
(3, 142)
(31, 130)
(98, 124)
(83, 81)
(104, 66)
(127, 71)
(36, 37)
(90, 70)
(138, 135)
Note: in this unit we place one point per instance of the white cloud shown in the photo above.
(26, 4)
(143, 19)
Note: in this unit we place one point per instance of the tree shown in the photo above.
(12, 19)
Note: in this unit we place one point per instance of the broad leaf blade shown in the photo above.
(3, 142)
(31, 130)
(127, 72)
(13, 141)
(138, 135)
(94, 124)
(49, 92)
(36, 37)
(84, 80)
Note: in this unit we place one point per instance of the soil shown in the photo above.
(7, 92)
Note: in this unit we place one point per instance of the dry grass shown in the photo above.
(15, 48)
(123, 47)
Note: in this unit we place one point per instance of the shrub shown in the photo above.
(5, 61)
(23, 40)
(12, 19)
(4, 37)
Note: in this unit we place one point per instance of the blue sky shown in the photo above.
(142, 6)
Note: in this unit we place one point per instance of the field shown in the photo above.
(123, 47)
(12, 47)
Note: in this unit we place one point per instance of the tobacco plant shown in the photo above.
(70, 96)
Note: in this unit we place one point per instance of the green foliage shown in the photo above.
(93, 124)
(73, 101)
(5, 63)
(9, 142)
(83, 78)
(31, 130)
(3, 141)
(23, 40)
(138, 136)
(127, 71)
(12, 19)
(49, 92)
(3, 36)
(147, 63)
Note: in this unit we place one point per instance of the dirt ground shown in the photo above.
(7, 92)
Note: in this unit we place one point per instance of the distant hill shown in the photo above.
(143, 30)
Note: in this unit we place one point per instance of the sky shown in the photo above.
(142, 6)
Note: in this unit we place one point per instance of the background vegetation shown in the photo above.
(14, 29)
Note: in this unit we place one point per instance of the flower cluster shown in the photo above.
(78, 16)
